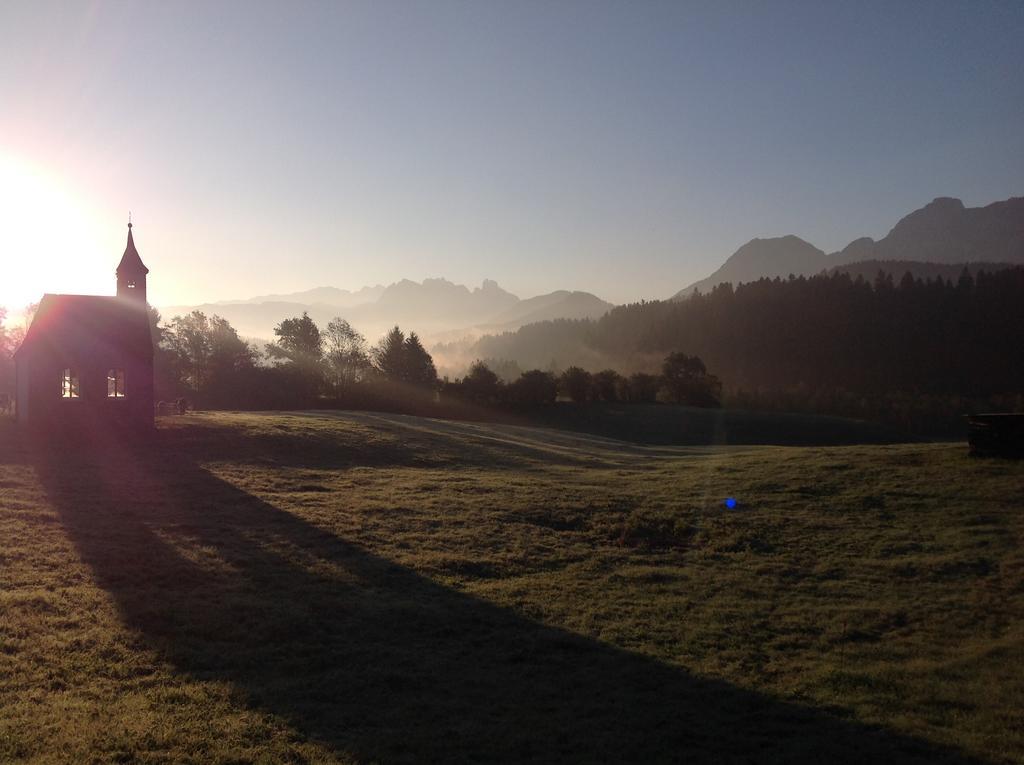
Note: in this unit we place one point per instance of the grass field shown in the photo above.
(658, 424)
(377, 588)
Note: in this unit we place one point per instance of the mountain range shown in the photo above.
(325, 295)
(434, 308)
(936, 240)
(941, 232)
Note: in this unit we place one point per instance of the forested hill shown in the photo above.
(817, 333)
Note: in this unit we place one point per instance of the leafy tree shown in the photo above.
(207, 357)
(154, 326)
(166, 380)
(28, 315)
(605, 385)
(534, 387)
(10, 339)
(480, 384)
(229, 354)
(576, 384)
(301, 346)
(188, 340)
(347, 356)
(300, 341)
(688, 381)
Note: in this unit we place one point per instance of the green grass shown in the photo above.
(377, 588)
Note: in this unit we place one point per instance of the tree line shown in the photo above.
(203, 359)
(10, 339)
(683, 380)
(917, 353)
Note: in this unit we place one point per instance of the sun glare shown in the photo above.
(49, 239)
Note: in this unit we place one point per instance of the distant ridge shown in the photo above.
(433, 308)
(561, 304)
(438, 299)
(326, 295)
(943, 231)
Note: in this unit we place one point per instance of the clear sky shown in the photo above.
(621, 148)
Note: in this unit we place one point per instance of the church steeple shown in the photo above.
(131, 271)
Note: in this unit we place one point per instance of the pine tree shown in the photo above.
(419, 366)
(389, 355)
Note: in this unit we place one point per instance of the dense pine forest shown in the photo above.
(907, 352)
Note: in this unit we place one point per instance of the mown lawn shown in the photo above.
(376, 588)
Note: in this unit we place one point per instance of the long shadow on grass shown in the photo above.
(380, 663)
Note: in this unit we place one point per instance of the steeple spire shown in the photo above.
(131, 271)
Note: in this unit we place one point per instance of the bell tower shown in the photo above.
(131, 272)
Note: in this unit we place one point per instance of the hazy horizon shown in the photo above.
(617, 149)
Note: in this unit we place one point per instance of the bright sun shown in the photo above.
(48, 239)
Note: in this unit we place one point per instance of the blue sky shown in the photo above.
(621, 148)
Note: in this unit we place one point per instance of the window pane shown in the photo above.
(69, 384)
(115, 383)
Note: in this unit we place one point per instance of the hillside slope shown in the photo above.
(758, 258)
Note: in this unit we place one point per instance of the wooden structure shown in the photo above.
(996, 435)
(87, 360)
